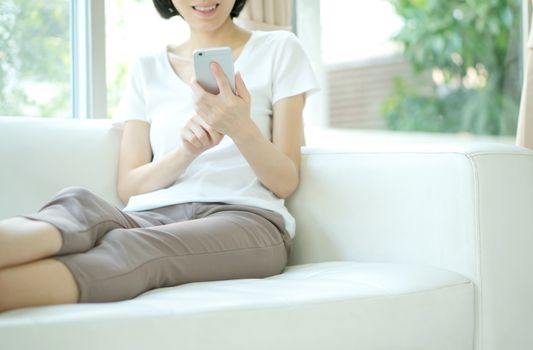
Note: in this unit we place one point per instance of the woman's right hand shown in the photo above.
(197, 137)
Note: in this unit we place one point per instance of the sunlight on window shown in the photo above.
(134, 27)
(358, 30)
(422, 66)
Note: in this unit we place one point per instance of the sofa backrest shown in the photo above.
(40, 156)
(386, 203)
(445, 205)
(380, 203)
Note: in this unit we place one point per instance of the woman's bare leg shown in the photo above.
(23, 240)
(43, 282)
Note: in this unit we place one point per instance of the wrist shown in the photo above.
(184, 156)
(247, 133)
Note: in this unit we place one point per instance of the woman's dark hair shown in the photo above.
(166, 8)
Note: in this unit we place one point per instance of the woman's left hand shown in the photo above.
(227, 113)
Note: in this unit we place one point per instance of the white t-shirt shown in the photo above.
(273, 66)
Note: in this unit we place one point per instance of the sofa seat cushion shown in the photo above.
(327, 305)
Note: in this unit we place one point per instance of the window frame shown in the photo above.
(527, 8)
(307, 26)
(88, 42)
(88, 78)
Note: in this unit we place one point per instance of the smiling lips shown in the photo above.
(206, 10)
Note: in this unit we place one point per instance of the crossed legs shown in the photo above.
(80, 248)
(27, 276)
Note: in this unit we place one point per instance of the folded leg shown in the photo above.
(224, 245)
(83, 218)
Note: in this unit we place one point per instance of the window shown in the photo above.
(35, 56)
(134, 27)
(430, 66)
(417, 66)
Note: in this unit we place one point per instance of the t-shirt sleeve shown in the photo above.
(132, 105)
(292, 71)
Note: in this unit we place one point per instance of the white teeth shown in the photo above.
(205, 9)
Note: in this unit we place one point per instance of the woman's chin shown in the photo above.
(207, 26)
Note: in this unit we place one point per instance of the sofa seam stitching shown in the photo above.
(478, 303)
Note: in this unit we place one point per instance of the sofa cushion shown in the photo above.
(328, 305)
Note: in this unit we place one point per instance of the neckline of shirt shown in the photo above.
(168, 65)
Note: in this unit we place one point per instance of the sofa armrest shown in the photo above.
(464, 207)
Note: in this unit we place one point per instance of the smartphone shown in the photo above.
(202, 59)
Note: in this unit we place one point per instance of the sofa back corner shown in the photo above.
(44, 155)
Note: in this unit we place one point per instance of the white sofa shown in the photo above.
(422, 246)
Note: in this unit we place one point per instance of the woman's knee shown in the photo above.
(75, 191)
(117, 235)
(77, 197)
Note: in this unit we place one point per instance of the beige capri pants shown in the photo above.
(117, 255)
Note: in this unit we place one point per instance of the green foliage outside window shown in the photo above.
(35, 58)
(472, 49)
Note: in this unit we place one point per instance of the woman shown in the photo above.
(204, 176)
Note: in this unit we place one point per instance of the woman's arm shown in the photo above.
(138, 174)
(275, 163)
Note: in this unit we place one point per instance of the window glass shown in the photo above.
(448, 66)
(134, 27)
(35, 58)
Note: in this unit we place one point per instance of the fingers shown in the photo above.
(222, 113)
(198, 133)
(214, 136)
(222, 81)
(203, 100)
(188, 136)
(201, 135)
(240, 88)
(198, 91)
(217, 137)
(193, 134)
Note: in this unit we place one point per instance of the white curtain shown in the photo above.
(266, 15)
(524, 134)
